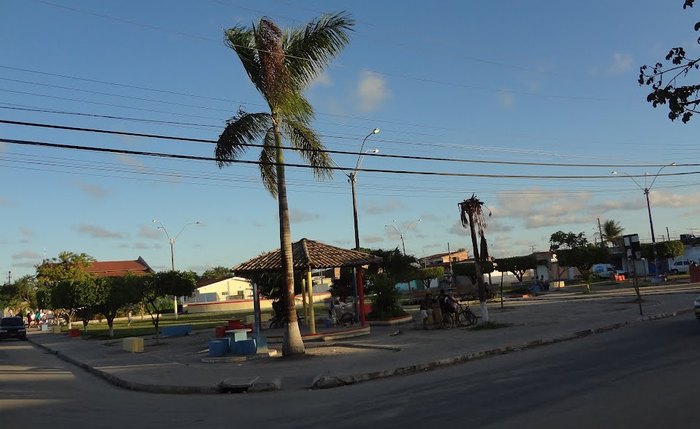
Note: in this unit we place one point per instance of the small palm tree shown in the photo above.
(612, 232)
(472, 215)
(281, 65)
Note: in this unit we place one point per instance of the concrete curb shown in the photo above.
(329, 382)
(138, 387)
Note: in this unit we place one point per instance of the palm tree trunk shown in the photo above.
(292, 343)
(477, 269)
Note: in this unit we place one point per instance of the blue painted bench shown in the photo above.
(175, 330)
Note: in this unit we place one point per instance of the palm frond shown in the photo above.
(311, 49)
(295, 106)
(268, 170)
(309, 147)
(242, 41)
(240, 130)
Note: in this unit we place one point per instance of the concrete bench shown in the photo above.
(175, 330)
(132, 344)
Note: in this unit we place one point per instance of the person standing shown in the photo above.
(426, 309)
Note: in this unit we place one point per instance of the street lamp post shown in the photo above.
(401, 233)
(646, 190)
(171, 240)
(357, 288)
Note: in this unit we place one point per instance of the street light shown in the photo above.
(352, 178)
(171, 240)
(401, 233)
(646, 190)
(358, 290)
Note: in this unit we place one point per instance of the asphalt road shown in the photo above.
(642, 376)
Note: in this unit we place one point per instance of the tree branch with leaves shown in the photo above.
(665, 82)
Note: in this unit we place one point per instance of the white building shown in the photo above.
(231, 289)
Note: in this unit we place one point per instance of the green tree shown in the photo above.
(682, 100)
(155, 288)
(88, 295)
(281, 65)
(386, 300)
(567, 240)
(583, 258)
(67, 266)
(472, 216)
(518, 265)
(19, 295)
(612, 232)
(665, 249)
(429, 273)
(216, 274)
(397, 266)
(115, 294)
(68, 297)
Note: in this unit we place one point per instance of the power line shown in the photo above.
(399, 75)
(338, 152)
(305, 166)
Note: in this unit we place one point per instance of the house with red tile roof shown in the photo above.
(138, 267)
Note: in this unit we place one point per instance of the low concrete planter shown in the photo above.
(394, 321)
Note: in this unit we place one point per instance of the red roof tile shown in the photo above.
(138, 267)
(308, 254)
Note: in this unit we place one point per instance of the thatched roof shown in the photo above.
(308, 254)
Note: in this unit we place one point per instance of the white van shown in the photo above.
(681, 267)
(604, 271)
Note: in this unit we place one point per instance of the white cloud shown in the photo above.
(372, 239)
(621, 64)
(130, 160)
(506, 98)
(298, 216)
(383, 207)
(458, 229)
(662, 199)
(27, 254)
(150, 231)
(322, 80)
(372, 91)
(537, 208)
(98, 232)
(26, 232)
(93, 190)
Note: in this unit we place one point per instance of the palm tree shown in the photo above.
(472, 216)
(612, 232)
(281, 65)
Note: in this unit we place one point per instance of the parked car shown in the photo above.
(681, 267)
(697, 308)
(13, 327)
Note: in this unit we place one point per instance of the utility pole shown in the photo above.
(668, 234)
(600, 232)
(452, 274)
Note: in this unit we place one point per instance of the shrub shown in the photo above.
(386, 302)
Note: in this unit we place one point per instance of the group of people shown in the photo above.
(38, 318)
(432, 309)
(540, 284)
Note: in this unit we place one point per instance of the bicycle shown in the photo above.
(464, 316)
(278, 321)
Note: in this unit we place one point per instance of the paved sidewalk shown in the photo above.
(178, 365)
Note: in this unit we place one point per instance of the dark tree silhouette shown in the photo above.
(665, 82)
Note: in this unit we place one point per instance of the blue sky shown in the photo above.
(537, 81)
